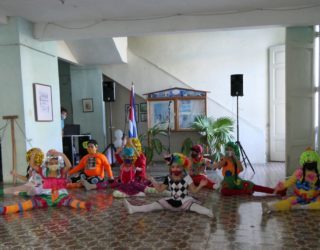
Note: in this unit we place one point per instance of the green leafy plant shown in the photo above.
(186, 146)
(215, 133)
(153, 143)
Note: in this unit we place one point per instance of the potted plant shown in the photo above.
(215, 133)
(153, 143)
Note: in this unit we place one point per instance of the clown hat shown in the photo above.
(177, 159)
(197, 148)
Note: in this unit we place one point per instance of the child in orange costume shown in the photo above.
(93, 165)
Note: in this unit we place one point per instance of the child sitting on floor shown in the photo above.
(52, 190)
(306, 184)
(232, 184)
(198, 167)
(179, 184)
(34, 158)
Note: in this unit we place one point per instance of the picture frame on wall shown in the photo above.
(42, 102)
(143, 117)
(87, 105)
(143, 107)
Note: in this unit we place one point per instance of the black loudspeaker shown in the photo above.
(236, 85)
(109, 91)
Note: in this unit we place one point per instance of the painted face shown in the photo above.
(53, 164)
(311, 166)
(92, 149)
(229, 153)
(194, 155)
(128, 161)
(176, 170)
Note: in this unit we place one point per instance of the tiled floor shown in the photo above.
(238, 223)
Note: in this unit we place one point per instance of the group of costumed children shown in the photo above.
(47, 180)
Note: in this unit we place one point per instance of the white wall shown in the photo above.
(25, 61)
(205, 61)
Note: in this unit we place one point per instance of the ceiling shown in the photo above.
(78, 21)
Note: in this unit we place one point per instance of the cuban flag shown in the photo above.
(132, 116)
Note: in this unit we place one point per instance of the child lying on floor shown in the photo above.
(179, 184)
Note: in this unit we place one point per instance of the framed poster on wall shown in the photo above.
(42, 102)
(161, 112)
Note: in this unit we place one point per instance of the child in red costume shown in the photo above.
(198, 167)
(132, 177)
(93, 165)
(139, 159)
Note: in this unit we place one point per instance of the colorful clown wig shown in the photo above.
(127, 152)
(235, 148)
(309, 160)
(136, 144)
(178, 159)
(308, 156)
(38, 156)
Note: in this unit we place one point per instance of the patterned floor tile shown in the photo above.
(238, 224)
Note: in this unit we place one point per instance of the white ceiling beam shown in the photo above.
(105, 28)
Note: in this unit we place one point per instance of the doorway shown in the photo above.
(277, 103)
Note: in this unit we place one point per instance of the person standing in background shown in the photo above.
(64, 114)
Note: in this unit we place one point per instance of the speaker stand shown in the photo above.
(110, 146)
(245, 158)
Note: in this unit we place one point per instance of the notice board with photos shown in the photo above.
(177, 106)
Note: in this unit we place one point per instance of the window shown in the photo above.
(177, 107)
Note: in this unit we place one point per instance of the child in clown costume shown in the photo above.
(232, 184)
(132, 179)
(306, 184)
(34, 158)
(92, 167)
(52, 191)
(198, 167)
(131, 182)
(179, 184)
